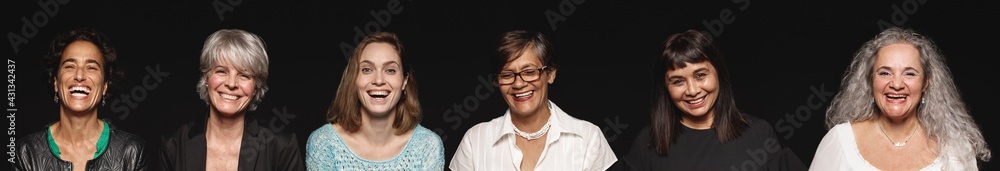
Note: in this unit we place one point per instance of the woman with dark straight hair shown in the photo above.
(694, 121)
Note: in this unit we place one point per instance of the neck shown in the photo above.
(531, 122)
(77, 128)
(698, 122)
(377, 128)
(225, 127)
(899, 128)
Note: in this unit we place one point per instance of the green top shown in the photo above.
(102, 143)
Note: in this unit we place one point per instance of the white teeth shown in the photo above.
(79, 89)
(525, 94)
(378, 93)
(697, 100)
(896, 95)
(228, 97)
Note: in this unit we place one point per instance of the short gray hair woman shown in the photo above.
(240, 48)
(234, 66)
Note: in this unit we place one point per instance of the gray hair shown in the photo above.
(245, 50)
(944, 115)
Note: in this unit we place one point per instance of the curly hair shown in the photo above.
(113, 74)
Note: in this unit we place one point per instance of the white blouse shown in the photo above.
(572, 144)
(839, 151)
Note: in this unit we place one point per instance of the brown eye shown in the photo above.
(506, 75)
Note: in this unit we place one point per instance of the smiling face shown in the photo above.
(898, 81)
(380, 79)
(527, 98)
(694, 88)
(230, 89)
(81, 84)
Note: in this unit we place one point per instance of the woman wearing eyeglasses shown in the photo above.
(534, 134)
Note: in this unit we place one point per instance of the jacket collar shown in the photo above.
(250, 145)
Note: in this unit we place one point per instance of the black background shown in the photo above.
(781, 55)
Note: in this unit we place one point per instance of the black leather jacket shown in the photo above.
(124, 152)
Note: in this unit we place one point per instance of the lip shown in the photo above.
(523, 96)
(700, 102)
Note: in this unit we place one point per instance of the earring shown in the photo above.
(56, 98)
(923, 101)
(873, 100)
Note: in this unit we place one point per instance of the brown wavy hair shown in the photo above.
(346, 108)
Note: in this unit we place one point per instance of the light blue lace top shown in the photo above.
(325, 150)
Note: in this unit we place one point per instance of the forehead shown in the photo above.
(527, 58)
(898, 54)
(82, 51)
(379, 52)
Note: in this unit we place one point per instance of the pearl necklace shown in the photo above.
(533, 135)
(894, 143)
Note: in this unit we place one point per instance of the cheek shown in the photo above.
(248, 88)
(878, 84)
(361, 81)
(675, 92)
(214, 82)
(505, 89)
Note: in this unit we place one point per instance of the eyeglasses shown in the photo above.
(529, 75)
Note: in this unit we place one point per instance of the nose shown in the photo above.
(78, 74)
(519, 82)
(231, 81)
(692, 89)
(379, 79)
(897, 83)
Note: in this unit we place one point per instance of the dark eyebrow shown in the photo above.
(367, 61)
(94, 61)
(701, 70)
(389, 63)
(69, 60)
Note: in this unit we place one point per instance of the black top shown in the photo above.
(124, 152)
(757, 148)
(260, 149)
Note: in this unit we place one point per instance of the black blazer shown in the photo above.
(261, 148)
(124, 152)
